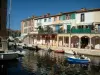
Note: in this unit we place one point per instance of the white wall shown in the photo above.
(97, 16)
(89, 17)
(47, 21)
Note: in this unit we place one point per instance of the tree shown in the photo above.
(60, 30)
(40, 29)
(48, 29)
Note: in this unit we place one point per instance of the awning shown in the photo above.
(84, 23)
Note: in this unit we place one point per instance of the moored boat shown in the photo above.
(8, 55)
(59, 51)
(69, 52)
(78, 60)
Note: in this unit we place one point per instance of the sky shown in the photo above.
(22, 9)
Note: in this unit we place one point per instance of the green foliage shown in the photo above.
(60, 30)
(48, 29)
(40, 29)
(14, 33)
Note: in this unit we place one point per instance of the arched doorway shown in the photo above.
(84, 41)
(95, 42)
(60, 43)
(74, 41)
(66, 41)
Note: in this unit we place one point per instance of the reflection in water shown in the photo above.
(44, 63)
(12, 67)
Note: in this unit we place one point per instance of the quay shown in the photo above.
(79, 51)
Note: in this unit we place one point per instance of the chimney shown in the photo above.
(48, 14)
(44, 16)
(83, 9)
(60, 13)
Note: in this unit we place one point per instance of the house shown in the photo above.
(78, 29)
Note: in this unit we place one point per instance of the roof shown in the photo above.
(61, 13)
(29, 18)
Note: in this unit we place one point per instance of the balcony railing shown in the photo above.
(73, 31)
(80, 30)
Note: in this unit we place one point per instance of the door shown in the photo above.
(99, 28)
(68, 28)
(57, 28)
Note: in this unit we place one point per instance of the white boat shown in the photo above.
(69, 52)
(22, 53)
(8, 55)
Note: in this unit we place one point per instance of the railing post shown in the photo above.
(63, 40)
(79, 42)
(57, 41)
(90, 43)
(70, 42)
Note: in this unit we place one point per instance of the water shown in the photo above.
(44, 63)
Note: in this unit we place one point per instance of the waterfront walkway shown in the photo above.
(93, 52)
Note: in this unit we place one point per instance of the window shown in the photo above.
(45, 20)
(25, 30)
(49, 19)
(55, 18)
(73, 16)
(59, 17)
(68, 16)
(82, 17)
(25, 24)
(32, 29)
(63, 17)
(29, 22)
(86, 27)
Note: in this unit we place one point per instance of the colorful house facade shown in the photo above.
(77, 30)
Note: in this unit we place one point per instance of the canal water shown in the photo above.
(44, 63)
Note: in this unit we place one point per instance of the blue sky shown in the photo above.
(22, 9)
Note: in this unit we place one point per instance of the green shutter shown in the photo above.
(73, 16)
(64, 17)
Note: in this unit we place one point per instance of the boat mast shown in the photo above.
(9, 17)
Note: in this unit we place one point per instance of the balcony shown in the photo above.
(74, 31)
(34, 32)
(81, 30)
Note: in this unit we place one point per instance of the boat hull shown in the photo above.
(8, 56)
(69, 52)
(59, 51)
(77, 61)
